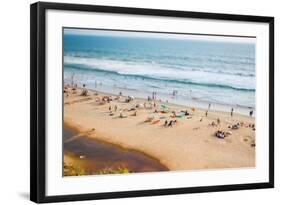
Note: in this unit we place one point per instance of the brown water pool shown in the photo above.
(92, 156)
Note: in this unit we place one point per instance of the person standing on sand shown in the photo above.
(231, 113)
(170, 123)
(209, 106)
(115, 108)
(84, 90)
(206, 113)
(218, 121)
(109, 108)
(72, 79)
(153, 95)
(251, 113)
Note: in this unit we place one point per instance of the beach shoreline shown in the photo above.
(172, 100)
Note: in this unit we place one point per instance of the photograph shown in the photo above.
(144, 101)
(134, 102)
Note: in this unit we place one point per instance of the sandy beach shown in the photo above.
(190, 143)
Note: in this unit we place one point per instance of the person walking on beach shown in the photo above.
(209, 106)
(206, 113)
(251, 113)
(231, 113)
(109, 108)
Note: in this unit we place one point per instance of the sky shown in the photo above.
(96, 32)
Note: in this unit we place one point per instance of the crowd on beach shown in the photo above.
(163, 113)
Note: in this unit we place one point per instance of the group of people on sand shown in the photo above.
(170, 124)
(231, 111)
(213, 124)
(152, 104)
(222, 134)
(73, 88)
(84, 92)
(209, 107)
(250, 113)
(115, 108)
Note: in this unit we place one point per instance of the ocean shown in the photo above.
(178, 70)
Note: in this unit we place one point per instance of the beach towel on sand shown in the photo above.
(155, 122)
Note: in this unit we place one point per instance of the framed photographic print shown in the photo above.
(129, 102)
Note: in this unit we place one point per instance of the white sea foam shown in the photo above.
(157, 71)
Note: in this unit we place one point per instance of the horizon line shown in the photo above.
(159, 35)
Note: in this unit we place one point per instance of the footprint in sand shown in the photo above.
(248, 140)
(228, 140)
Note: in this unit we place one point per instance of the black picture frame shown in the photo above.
(38, 100)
